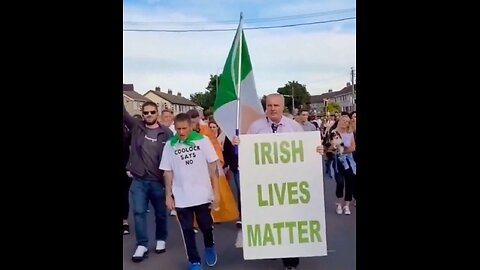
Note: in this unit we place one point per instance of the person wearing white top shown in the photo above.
(191, 186)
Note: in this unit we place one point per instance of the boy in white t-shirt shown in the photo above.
(191, 186)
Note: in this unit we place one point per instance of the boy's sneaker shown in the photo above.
(210, 256)
(339, 209)
(195, 266)
(140, 253)
(160, 248)
(238, 224)
(126, 229)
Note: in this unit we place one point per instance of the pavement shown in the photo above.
(341, 245)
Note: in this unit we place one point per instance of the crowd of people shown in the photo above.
(180, 163)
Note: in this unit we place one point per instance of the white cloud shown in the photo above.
(184, 61)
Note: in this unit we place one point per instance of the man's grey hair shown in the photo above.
(276, 95)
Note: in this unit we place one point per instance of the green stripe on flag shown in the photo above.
(226, 91)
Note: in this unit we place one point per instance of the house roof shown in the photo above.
(135, 96)
(174, 99)
(345, 90)
(320, 98)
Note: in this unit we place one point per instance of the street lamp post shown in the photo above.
(353, 90)
(293, 101)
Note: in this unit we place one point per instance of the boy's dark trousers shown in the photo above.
(205, 224)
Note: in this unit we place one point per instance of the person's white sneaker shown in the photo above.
(173, 213)
(346, 210)
(339, 209)
(239, 240)
(140, 253)
(160, 248)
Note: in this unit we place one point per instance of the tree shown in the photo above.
(207, 98)
(300, 94)
(333, 107)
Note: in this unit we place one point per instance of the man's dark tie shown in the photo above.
(274, 128)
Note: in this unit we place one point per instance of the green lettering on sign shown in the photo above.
(292, 192)
(255, 150)
(264, 235)
(303, 232)
(274, 153)
(315, 231)
(279, 226)
(305, 192)
(297, 151)
(284, 149)
(280, 193)
(290, 225)
(268, 236)
(261, 202)
(254, 236)
(265, 152)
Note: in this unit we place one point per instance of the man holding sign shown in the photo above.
(267, 236)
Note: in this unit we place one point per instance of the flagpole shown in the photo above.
(239, 79)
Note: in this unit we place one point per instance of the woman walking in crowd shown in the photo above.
(344, 166)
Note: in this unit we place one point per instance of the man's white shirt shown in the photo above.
(189, 165)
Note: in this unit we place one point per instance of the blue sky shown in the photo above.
(319, 56)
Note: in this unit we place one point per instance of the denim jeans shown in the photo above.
(143, 191)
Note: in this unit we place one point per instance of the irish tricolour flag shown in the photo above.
(236, 98)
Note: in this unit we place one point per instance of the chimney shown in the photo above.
(169, 91)
(348, 84)
(127, 87)
(157, 89)
(330, 90)
(179, 94)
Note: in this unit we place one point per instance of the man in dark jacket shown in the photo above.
(231, 163)
(148, 139)
(126, 181)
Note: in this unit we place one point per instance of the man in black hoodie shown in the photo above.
(148, 139)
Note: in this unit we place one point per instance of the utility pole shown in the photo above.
(353, 90)
(293, 101)
(325, 103)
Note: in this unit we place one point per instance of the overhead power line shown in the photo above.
(234, 29)
(246, 20)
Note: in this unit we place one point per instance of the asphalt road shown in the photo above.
(340, 242)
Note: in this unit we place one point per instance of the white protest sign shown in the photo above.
(283, 205)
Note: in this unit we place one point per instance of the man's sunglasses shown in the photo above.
(149, 112)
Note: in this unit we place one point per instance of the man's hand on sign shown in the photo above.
(320, 149)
